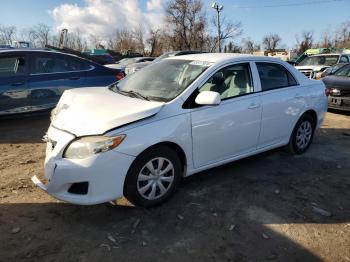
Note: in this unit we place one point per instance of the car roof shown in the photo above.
(16, 50)
(221, 57)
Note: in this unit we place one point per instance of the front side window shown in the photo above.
(50, 63)
(10, 66)
(230, 81)
(344, 71)
(162, 81)
(273, 76)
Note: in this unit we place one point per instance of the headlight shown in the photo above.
(91, 145)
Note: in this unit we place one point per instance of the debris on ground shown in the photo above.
(320, 211)
(277, 191)
(111, 238)
(265, 236)
(137, 222)
(29, 161)
(15, 230)
(232, 227)
(106, 246)
(180, 217)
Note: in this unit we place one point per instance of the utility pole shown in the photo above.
(218, 9)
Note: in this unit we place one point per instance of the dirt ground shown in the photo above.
(264, 208)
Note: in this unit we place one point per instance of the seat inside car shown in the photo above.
(217, 83)
(239, 84)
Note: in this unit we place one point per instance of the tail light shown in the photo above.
(120, 76)
(328, 91)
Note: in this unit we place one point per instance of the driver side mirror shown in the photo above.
(209, 98)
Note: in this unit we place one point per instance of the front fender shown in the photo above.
(175, 129)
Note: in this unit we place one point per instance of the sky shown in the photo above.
(101, 17)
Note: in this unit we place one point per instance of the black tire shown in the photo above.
(131, 190)
(293, 146)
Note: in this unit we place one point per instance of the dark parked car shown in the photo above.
(330, 70)
(33, 80)
(338, 87)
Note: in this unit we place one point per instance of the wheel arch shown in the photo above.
(310, 112)
(313, 114)
(173, 146)
(178, 149)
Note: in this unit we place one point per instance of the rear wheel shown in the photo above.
(153, 177)
(302, 135)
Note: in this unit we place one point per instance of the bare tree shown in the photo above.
(156, 42)
(42, 33)
(186, 21)
(76, 41)
(122, 41)
(306, 42)
(139, 40)
(326, 40)
(271, 42)
(248, 46)
(228, 29)
(7, 34)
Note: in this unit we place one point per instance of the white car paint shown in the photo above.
(208, 135)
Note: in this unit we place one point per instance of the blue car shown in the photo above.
(34, 80)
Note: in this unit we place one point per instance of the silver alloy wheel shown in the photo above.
(155, 178)
(304, 134)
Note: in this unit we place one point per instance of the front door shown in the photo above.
(232, 127)
(14, 95)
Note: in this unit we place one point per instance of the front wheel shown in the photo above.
(153, 177)
(302, 135)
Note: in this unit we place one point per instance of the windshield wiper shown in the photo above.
(137, 94)
(130, 93)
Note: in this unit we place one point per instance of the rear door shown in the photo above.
(50, 75)
(14, 94)
(282, 102)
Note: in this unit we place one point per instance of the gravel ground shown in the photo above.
(270, 207)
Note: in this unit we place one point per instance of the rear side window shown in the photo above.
(10, 66)
(52, 63)
(273, 76)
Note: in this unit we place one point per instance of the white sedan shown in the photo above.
(138, 137)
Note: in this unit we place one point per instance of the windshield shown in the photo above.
(326, 60)
(344, 71)
(162, 81)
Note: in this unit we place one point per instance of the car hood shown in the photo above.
(312, 67)
(92, 111)
(339, 82)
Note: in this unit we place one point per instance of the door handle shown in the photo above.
(17, 84)
(74, 78)
(253, 106)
